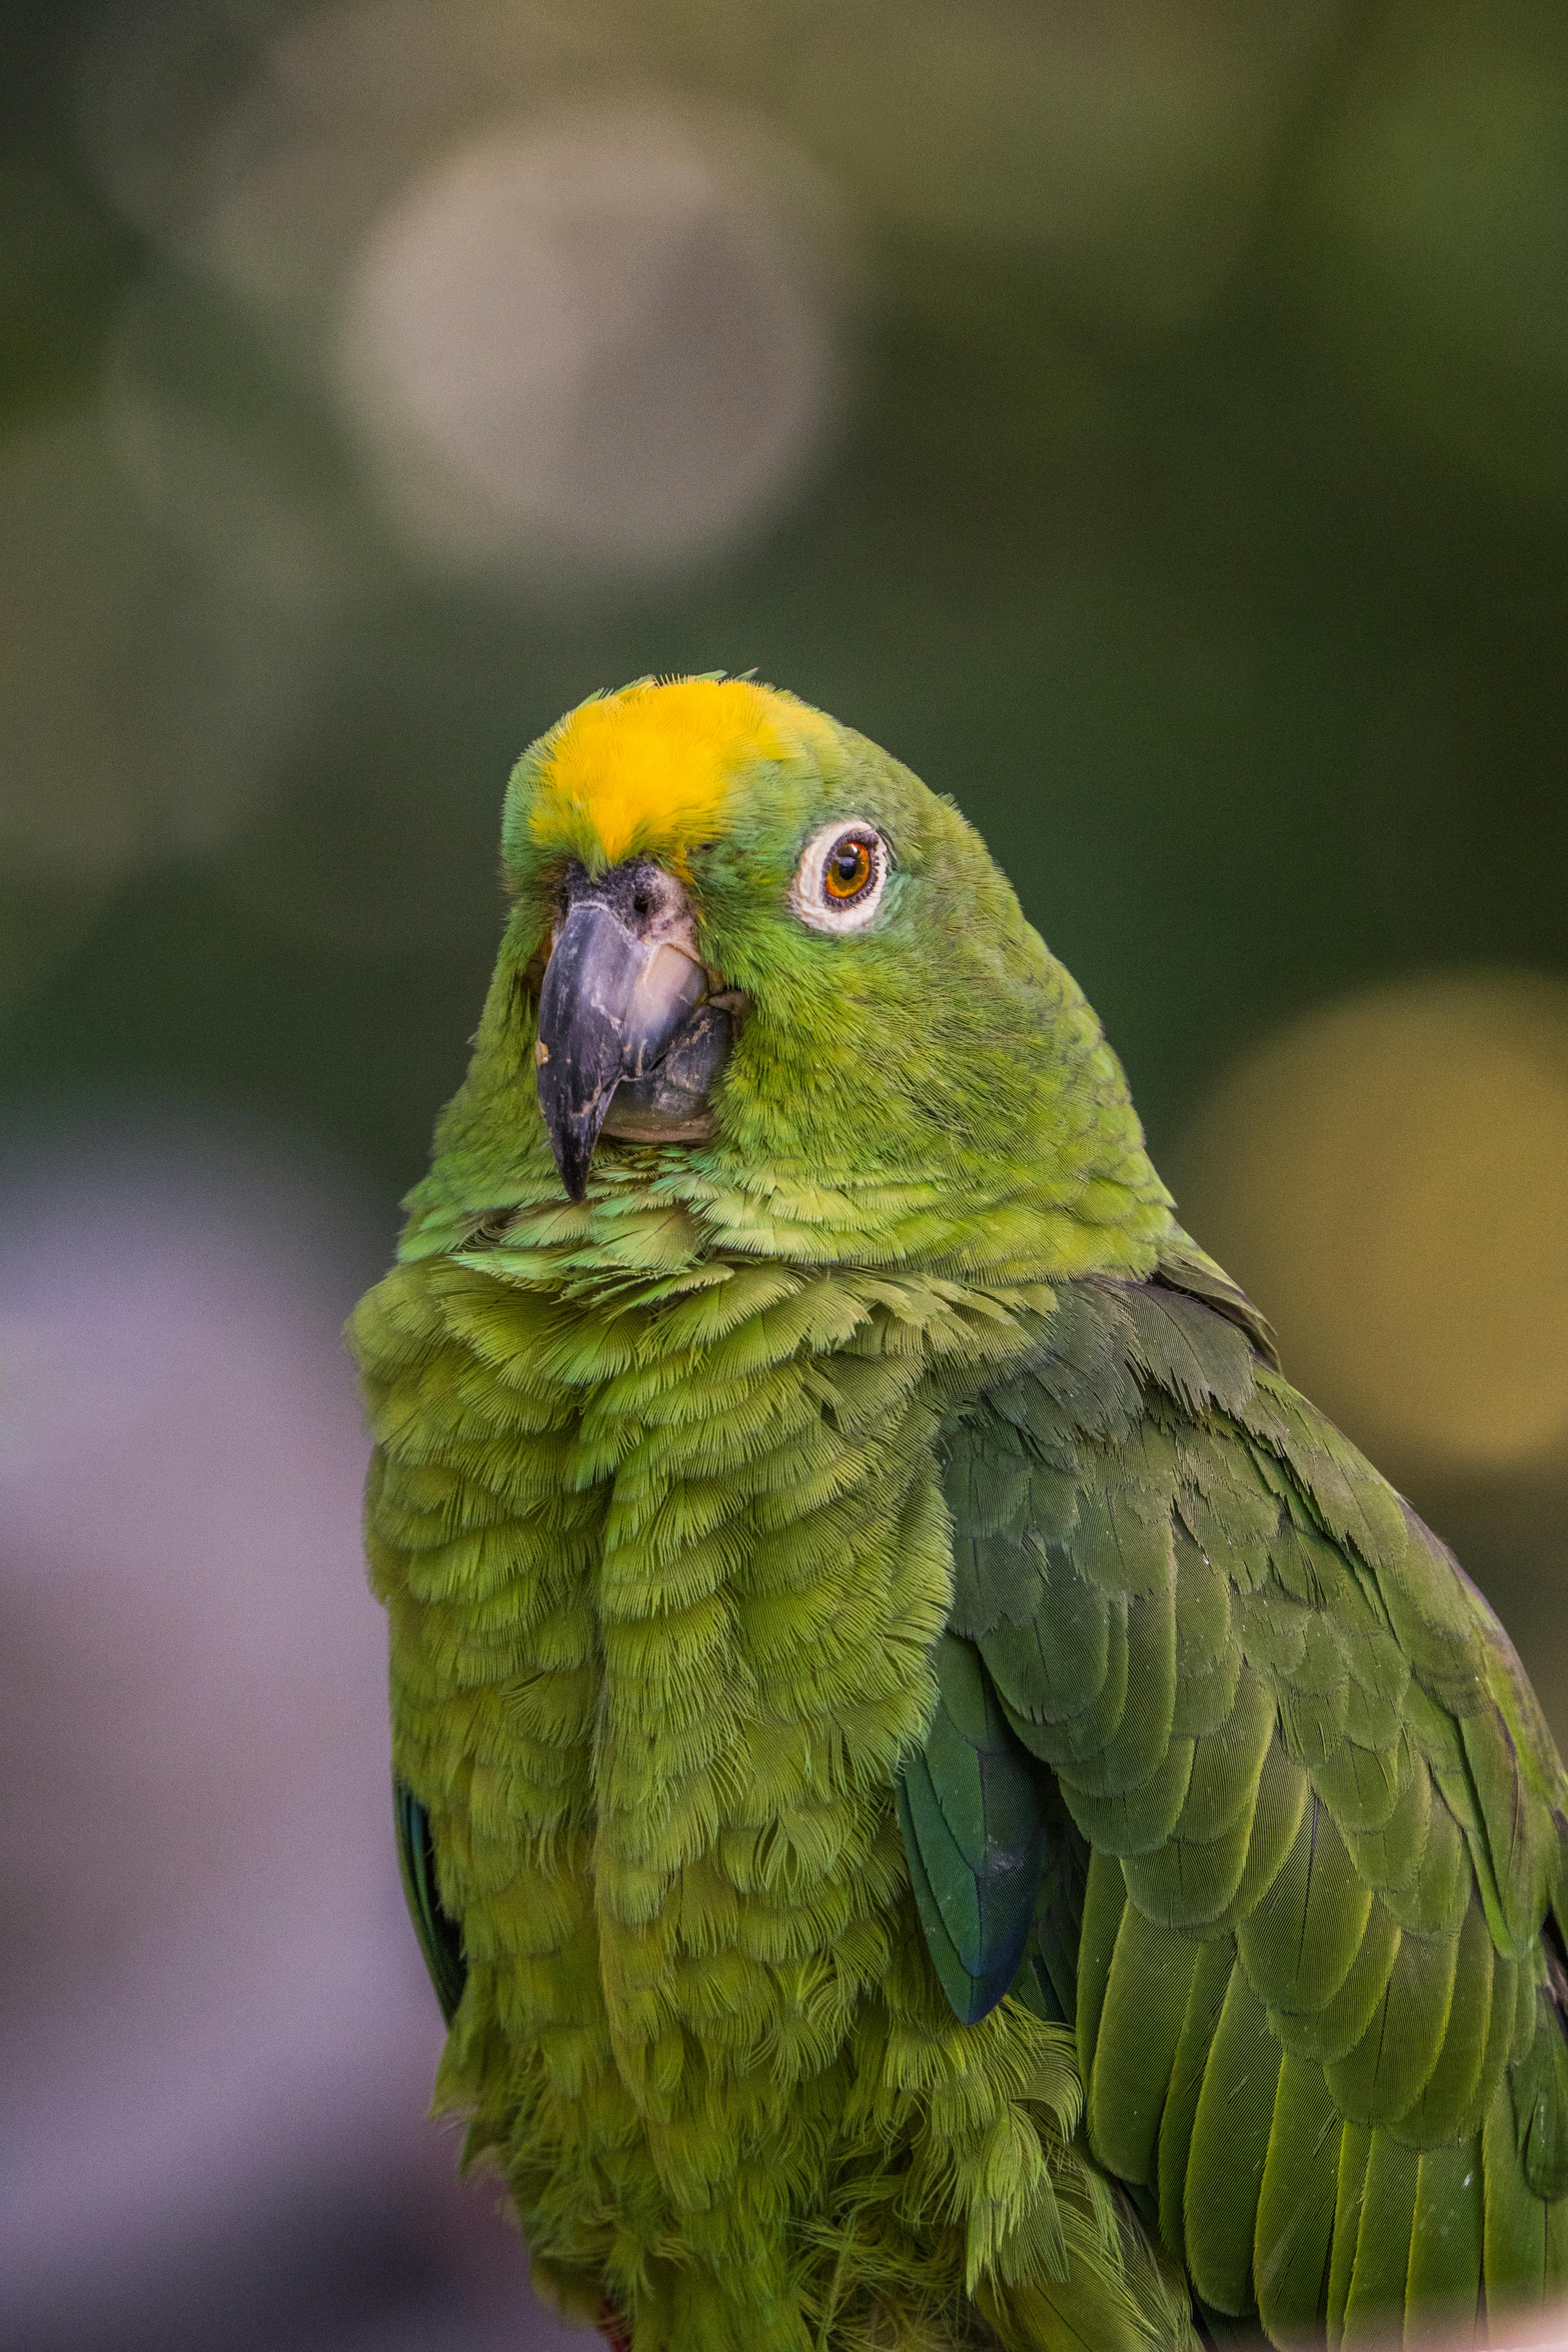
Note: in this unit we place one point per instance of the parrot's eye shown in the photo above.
(838, 883)
(850, 871)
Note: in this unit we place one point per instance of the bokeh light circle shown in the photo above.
(604, 341)
(138, 711)
(1390, 1179)
(229, 457)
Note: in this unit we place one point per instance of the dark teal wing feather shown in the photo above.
(974, 1826)
(1318, 1995)
(440, 1938)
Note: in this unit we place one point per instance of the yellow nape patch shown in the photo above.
(649, 769)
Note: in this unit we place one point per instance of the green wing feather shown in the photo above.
(1319, 1989)
(440, 1938)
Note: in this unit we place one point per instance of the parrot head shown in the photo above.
(745, 931)
(743, 909)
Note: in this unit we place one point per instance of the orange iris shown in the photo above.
(849, 868)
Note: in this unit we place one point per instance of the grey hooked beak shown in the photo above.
(624, 988)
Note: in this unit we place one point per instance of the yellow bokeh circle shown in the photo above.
(1389, 1178)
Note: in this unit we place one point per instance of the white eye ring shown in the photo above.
(809, 894)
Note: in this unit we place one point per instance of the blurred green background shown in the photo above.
(1146, 418)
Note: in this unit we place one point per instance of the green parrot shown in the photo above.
(946, 1806)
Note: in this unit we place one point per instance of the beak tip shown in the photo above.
(573, 1155)
(572, 1127)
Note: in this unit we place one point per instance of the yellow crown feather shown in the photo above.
(649, 770)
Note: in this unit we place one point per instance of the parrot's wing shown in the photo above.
(440, 1938)
(1318, 1986)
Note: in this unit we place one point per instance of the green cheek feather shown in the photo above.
(945, 1805)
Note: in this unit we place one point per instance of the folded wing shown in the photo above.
(1290, 1814)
